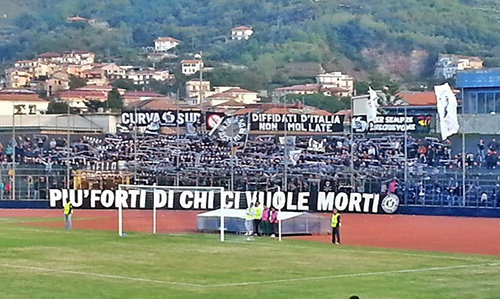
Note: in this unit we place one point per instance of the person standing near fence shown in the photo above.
(336, 227)
(273, 221)
(249, 220)
(256, 218)
(68, 210)
(266, 226)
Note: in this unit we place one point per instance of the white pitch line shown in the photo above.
(103, 275)
(390, 251)
(380, 273)
(51, 230)
(313, 278)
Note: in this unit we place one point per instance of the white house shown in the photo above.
(241, 32)
(163, 44)
(191, 66)
(336, 80)
(147, 76)
(193, 88)
(227, 93)
(20, 101)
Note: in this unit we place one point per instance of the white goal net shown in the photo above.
(170, 209)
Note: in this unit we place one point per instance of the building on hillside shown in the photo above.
(448, 65)
(21, 101)
(26, 64)
(480, 91)
(78, 57)
(163, 44)
(336, 92)
(103, 89)
(76, 19)
(193, 88)
(308, 89)
(18, 78)
(76, 70)
(304, 89)
(67, 57)
(45, 70)
(224, 94)
(78, 98)
(231, 104)
(334, 81)
(414, 102)
(241, 33)
(99, 24)
(191, 66)
(137, 96)
(113, 71)
(144, 77)
(158, 103)
(59, 81)
(95, 76)
(50, 57)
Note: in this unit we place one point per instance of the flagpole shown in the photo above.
(135, 142)
(285, 159)
(13, 185)
(177, 139)
(406, 156)
(352, 146)
(463, 153)
(231, 145)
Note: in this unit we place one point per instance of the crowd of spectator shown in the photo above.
(259, 163)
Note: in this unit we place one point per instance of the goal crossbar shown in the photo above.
(150, 188)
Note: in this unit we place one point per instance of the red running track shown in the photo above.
(428, 233)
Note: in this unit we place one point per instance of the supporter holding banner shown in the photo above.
(447, 110)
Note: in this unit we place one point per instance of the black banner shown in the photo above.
(322, 201)
(297, 123)
(229, 129)
(168, 118)
(212, 119)
(393, 124)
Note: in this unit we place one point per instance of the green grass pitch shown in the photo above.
(37, 262)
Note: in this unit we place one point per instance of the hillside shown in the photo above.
(392, 37)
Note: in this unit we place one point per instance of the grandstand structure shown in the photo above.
(308, 150)
(434, 167)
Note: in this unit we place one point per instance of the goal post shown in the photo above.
(157, 197)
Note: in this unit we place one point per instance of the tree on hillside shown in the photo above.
(57, 107)
(76, 82)
(94, 105)
(115, 100)
(124, 84)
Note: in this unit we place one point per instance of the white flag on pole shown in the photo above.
(447, 110)
(371, 105)
(294, 156)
